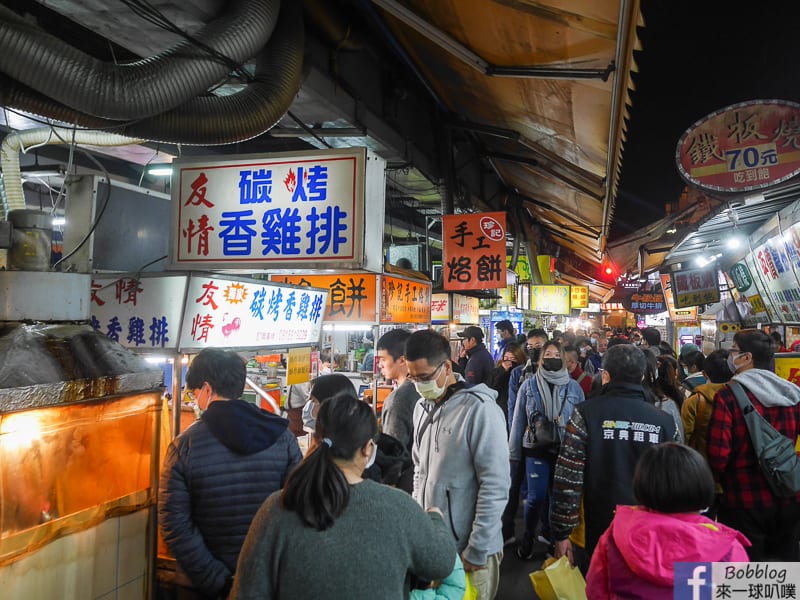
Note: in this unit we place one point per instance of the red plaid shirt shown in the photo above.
(731, 454)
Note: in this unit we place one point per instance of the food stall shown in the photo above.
(452, 312)
(361, 304)
(79, 437)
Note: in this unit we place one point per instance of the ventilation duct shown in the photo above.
(205, 120)
(146, 87)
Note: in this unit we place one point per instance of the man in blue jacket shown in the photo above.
(479, 360)
(218, 472)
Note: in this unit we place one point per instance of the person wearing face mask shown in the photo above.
(460, 460)
(595, 359)
(513, 356)
(770, 522)
(234, 446)
(324, 386)
(554, 394)
(314, 538)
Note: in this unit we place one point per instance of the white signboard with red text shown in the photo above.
(297, 211)
(225, 313)
(192, 312)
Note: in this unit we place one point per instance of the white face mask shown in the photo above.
(309, 420)
(371, 460)
(430, 390)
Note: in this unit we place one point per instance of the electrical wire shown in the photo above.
(106, 198)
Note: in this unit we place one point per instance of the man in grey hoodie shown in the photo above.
(771, 523)
(460, 457)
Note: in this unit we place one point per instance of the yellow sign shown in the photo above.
(550, 299)
(523, 269)
(543, 262)
(757, 303)
(405, 300)
(298, 366)
(579, 296)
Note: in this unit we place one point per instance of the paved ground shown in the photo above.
(514, 581)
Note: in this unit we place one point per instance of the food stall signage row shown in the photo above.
(746, 146)
(688, 314)
(285, 210)
(474, 253)
(776, 262)
(352, 297)
(464, 308)
(192, 313)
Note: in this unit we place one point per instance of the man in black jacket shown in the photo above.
(603, 441)
(479, 365)
(218, 472)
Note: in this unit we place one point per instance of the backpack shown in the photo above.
(775, 452)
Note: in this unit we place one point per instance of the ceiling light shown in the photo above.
(59, 221)
(672, 230)
(159, 169)
(734, 243)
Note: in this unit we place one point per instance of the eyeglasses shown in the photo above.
(423, 378)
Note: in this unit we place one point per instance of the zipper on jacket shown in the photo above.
(450, 515)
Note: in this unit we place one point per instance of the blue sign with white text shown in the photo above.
(693, 581)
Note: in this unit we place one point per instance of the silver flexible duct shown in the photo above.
(141, 89)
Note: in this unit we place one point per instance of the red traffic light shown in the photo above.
(608, 270)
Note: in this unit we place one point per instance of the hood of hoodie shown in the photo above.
(769, 388)
(652, 542)
(243, 427)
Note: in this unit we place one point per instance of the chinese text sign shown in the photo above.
(300, 210)
(352, 297)
(227, 313)
(405, 300)
(550, 299)
(742, 147)
(694, 287)
(474, 253)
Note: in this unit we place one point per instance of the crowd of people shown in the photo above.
(627, 456)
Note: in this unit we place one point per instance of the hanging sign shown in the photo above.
(742, 147)
(405, 300)
(523, 268)
(474, 253)
(139, 312)
(579, 296)
(465, 309)
(301, 210)
(352, 297)
(298, 365)
(552, 299)
(694, 287)
(225, 313)
(440, 308)
(682, 315)
(750, 305)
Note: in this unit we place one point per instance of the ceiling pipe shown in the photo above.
(146, 87)
(206, 120)
(14, 143)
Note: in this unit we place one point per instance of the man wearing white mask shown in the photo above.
(460, 457)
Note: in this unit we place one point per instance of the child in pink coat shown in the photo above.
(635, 557)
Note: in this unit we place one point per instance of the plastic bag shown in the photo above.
(471, 592)
(558, 580)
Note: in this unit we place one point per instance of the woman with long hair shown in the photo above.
(316, 537)
(553, 394)
(661, 381)
(513, 356)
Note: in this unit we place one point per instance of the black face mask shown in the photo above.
(534, 353)
(552, 364)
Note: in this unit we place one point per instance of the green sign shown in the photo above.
(523, 269)
(740, 275)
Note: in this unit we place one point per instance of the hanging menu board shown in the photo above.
(776, 263)
(749, 302)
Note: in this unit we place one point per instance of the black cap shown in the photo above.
(471, 332)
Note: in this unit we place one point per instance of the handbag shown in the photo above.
(558, 580)
(543, 434)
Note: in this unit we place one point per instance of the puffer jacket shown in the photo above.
(636, 555)
(216, 476)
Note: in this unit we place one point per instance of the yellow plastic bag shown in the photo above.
(558, 580)
(471, 592)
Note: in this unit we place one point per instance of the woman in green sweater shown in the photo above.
(331, 534)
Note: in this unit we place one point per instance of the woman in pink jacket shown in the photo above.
(635, 557)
